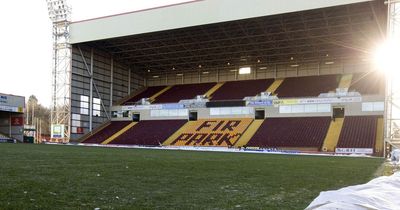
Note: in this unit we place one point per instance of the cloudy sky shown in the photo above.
(26, 42)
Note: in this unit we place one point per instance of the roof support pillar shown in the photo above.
(111, 82)
(129, 80)
(166, 78)
(217, 75)
(91, 92)
(319, 68)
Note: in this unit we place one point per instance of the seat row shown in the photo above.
(298, 132)
(310, 86)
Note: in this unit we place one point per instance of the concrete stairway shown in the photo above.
(213, 89)
(332, 137)
(153, 97)
(272, 88)
(115, 135)
(249, 133)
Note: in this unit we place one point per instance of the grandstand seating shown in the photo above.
(291, 132)
(106, 132)
(147, 93)
(237, 90)
(212, 132)
(149, 132)
(370, 83)
(180, 92)
(286, 132)
(358, 132)
(309, 86)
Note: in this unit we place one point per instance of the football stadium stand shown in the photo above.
(308, 132)
(229, 90)
(230, 59)
(291, 132)
(370, 83)
(181, 92)
(147, 93)
(106, 132)
(12, 120)
(307, 86)
(149, 132)
(358, 132)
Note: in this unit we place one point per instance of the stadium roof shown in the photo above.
(212, 33)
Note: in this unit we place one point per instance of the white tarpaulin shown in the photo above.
(395, 155)
(382, 193)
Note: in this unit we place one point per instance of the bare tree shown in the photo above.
(37, 112)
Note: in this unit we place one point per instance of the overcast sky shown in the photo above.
(26, 42)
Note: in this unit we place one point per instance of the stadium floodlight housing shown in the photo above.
(245, 70)
(58, 10)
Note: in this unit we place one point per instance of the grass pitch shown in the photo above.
(68, 177)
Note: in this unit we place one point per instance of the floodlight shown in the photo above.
(245, 70)
(58, 10)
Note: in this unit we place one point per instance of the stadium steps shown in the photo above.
(272, 88)
(213, 89)
(133, 94)
(379, 137)
(115, 135)
(332, 136)
(178, 133)
(153, 97)
(94, 131)
(249, 133)
(345, 81)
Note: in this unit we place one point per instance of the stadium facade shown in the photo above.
(302, 60)
(11, 117)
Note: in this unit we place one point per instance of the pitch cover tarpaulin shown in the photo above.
(382, 193)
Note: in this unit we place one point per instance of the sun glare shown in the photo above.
(386, 58)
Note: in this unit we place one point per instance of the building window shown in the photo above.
(96, 107)
(84, 106)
